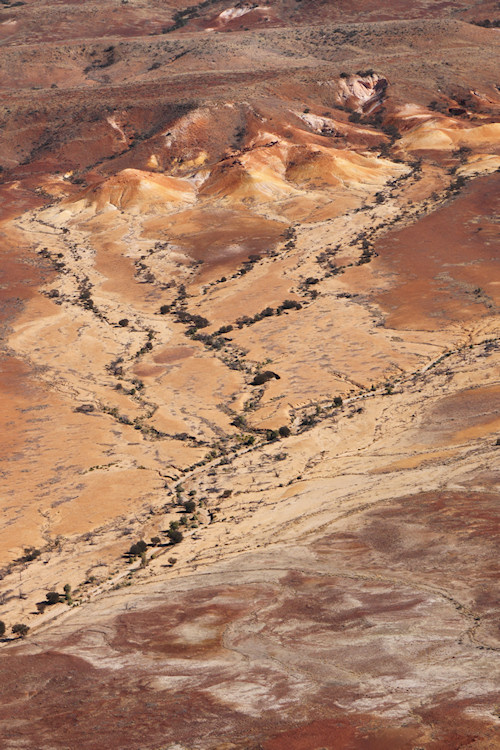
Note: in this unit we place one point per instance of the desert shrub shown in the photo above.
(138, 548)
(85, 408)
(284, 431)
(486, 23)
(263, 377)
(267, 312)
(190, 506)
(308, 420)
(2, 628)
(290, 304)
(164, 309)
(366, 257)
(392, 131)
(30, 554)
(155, 541)
(175, 535)
(337, 401)
(272, 435)
(20, 629)
(198, 321)
(123, 322)
(53, 597)
(457, 184)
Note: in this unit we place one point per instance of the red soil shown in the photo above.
(445, 265)
(409, 600)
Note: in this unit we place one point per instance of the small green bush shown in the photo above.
(20, 629)
(138, 548)
(53, 597)
(263, 377)
(175, 536)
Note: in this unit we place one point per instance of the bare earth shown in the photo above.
(218, 221)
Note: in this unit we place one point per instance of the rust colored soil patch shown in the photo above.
(470, 413)
(339, 643)
(445, 266)
(218, 238)
(188, 626)
(173, 354)
(358, 732)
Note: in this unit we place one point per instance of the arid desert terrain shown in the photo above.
(249, 375)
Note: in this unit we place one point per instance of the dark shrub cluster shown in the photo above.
(175, 535)
(138, 548)
(263, 377)
(197, 321)
(267, 312)
(53, 597)
(30, 554)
